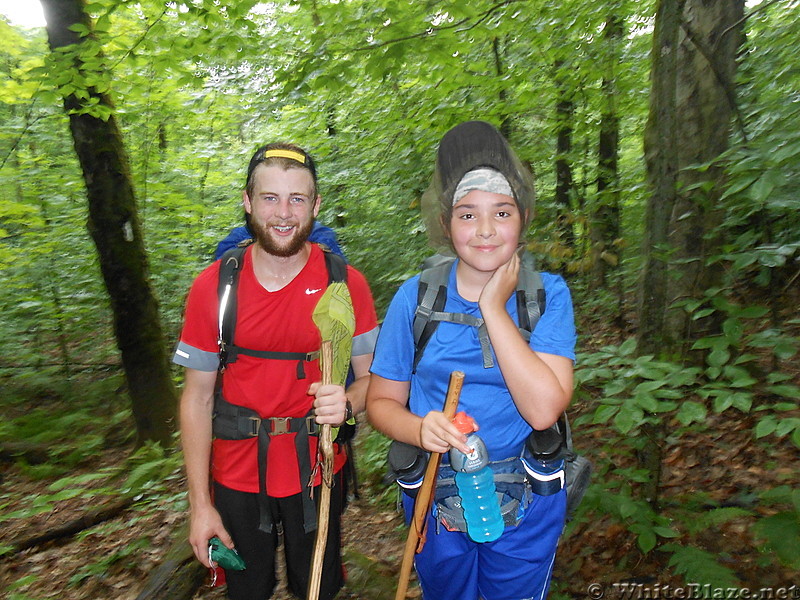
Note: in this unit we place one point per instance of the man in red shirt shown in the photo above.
(243, 496)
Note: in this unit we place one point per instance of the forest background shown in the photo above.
(665, 140)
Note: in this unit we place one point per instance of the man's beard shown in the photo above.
(290, 247)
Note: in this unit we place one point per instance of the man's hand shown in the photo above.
(330, 404)
(206, 523)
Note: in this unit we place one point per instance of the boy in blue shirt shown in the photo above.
(480, 204)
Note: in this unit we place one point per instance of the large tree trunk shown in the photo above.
(114, 226)
(691, 104)
(660, 145)
(711, 36)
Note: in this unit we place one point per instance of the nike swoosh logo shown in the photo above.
(309, 291)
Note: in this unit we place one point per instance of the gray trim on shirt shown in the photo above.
(189, 356)
(365, 343)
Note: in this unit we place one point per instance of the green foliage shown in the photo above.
(780, 532)
(629, 391)
(21, 582)
(701, 568)
(369, 88)
(371, 451)
(148, 470)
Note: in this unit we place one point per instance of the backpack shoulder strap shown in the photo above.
(229, 269)
(336, 265)
(431, 297)
(531, 297)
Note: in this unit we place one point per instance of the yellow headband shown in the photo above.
(291, 154)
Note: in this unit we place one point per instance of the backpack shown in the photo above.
(230, 267)
(531, 302)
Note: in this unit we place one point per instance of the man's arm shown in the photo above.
(197, 405)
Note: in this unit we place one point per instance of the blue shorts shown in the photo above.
(516, 566)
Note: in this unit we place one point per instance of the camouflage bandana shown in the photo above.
(485, 180)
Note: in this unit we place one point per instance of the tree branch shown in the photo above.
(730, 28)
(730, 94)
(434, 30)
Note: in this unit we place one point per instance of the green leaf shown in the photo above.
(604, 413)
(649, 386)
(647, 402)
(666, 532)
(691, 411)
(760, 191)
(628, 418)
(766, 426)
(718, 357)
(785, 390)
(646, 540)
(787, 425)
(742, 401)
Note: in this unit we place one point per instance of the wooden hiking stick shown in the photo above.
(323, 514)
(415, 539)
(335, 319)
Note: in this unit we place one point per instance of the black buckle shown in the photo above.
(311, 425)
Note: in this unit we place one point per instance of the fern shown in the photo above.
(714, 518)
(781, 533)
(700, 567)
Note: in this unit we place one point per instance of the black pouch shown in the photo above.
(407, 466)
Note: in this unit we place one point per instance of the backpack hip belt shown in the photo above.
(234, 422)
(514, 485)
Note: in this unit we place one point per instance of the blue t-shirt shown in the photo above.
(453, 347)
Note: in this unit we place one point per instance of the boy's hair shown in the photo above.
(465, 147)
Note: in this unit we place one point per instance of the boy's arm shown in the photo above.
(388, 412)
(540, 383)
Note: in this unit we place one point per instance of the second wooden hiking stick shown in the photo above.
(425, 493)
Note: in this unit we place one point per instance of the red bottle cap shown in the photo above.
(464, 423)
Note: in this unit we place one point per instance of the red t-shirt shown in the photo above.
(270, 321)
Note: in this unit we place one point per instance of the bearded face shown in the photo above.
(282, 204)
(272, 238)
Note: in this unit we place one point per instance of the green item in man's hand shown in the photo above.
(224, 556)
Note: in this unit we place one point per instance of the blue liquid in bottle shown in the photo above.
(479, 501)
(475, 483)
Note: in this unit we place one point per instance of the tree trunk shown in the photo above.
(565, 113)
(605, 219)
(499, 69)
(115, 228)
(707, 55)
(661, 155)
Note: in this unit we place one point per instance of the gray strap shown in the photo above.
(472, 321)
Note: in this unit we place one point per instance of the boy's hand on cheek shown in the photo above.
(503, 282)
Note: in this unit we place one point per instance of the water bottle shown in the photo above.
(475, 483)
(543, 458)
